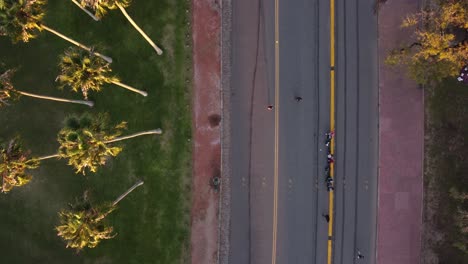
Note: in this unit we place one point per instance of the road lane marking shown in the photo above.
(275, 184)
(332, 128)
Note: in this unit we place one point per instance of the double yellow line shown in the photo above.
(332, 128)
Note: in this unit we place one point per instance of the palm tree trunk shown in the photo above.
(156, 48)
(88, 103)
(130, 88)
(149, 132)
(4, 102)
(85, 10)
(48, 157)
(139, 183)
(108, 59)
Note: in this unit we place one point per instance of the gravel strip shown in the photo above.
(225, 189)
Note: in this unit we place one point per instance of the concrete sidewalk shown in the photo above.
(401, 135)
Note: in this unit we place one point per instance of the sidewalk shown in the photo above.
(401, 135)
(206, 129)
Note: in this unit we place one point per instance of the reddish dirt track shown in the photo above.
(206, 124)
(401, 147)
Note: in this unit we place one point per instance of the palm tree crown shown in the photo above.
(82, 224)
(101, 7)
(6, 87)
(14, 162)
(83, 71)
(20, 19)
(83, 141)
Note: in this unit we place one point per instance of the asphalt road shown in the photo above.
(357, 130)
(304, 62)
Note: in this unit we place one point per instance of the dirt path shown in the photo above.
(401, 135)
(206, 125)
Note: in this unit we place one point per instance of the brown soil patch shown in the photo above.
(214, 120)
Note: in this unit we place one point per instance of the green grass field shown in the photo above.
(152, 222)
(446, 166)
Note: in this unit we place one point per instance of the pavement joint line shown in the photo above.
(275, 181)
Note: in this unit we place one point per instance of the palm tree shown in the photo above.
(14, 163)
(7, 90)
(83, 225)
(86, 141)
(21, 20)
(101, 7)
(83, 71)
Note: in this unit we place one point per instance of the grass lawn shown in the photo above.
(446, 167)
(152, 222)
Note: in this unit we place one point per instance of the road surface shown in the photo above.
(297, 233)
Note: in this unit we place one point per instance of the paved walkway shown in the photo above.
(401, 147)
(206, 127)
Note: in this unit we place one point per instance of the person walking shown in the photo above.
(327, 217)
(359, 255)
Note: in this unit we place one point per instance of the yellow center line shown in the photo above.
(275, 184)
(332, 126)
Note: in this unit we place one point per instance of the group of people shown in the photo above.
(329, 179)
(463, 77)
(330, 159)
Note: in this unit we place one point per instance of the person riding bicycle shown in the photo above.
(328, 137)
